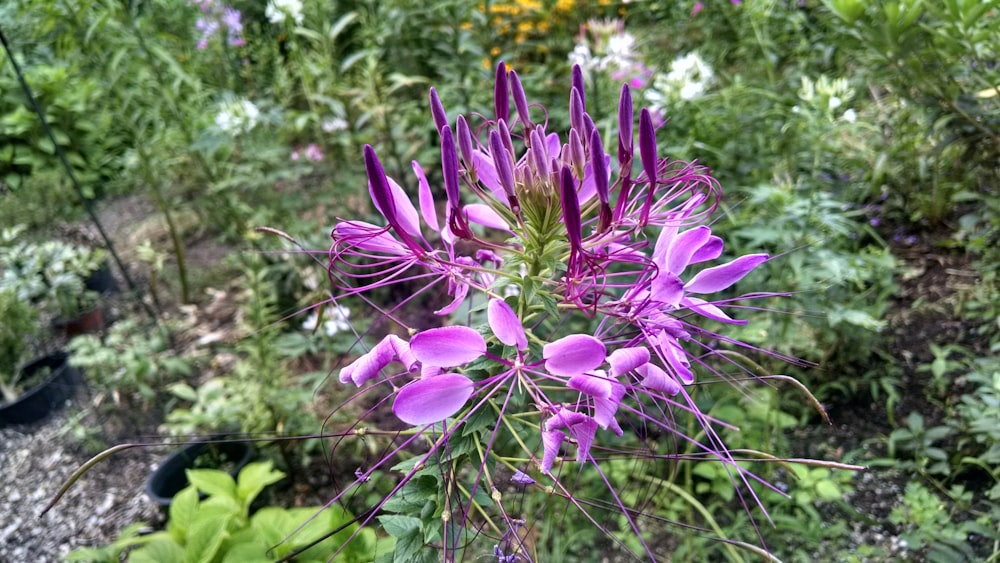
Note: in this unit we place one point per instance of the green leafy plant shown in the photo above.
(223, 528)
(921, 442)
(53, 272)
(131, 362)
(930, 527)
(18, 321)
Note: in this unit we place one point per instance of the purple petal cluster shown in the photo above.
(537, 227)
(216, 16)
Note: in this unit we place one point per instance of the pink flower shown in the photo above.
(313, 152)
(697, 8)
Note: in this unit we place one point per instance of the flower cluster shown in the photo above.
(612, 264)
(605, 46)
(687, 79)
(824, 96)
(216, 16)
(312, 152)
(278, 11)
(237, 116)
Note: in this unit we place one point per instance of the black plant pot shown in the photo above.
(169, 478)
(46, 397)
(102, 280)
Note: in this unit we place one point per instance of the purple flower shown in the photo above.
(216, 17)
(584, 284)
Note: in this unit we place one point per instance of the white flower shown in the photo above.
(692, 90)
(850, 116)
(618, 53)
(687, 79)
(581, 56)
(278, 10)
(237, 116)
(334, 124)
(337, 319)
(835, 102)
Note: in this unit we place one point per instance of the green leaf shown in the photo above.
(254, 478)
(206, 536)
(828, 490)
(213, 482)
(183, 510)
(158, 551)
(397, 525)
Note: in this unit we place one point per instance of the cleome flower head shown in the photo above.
(586, 279)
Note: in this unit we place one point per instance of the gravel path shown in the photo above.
(35, 460)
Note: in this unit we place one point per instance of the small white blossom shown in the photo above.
(237, 116)
(835, 102)
(336, 319)
(278, 10)
(619, 52)
(687, 79)
(334, 124)
(581, 56)
(850, 116)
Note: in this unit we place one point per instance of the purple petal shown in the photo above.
(605, 409)
(550, 449)
(655, 378)
(667, 288)
(711, 250)
(720, 277)
(425, 198)
(538, 155)
(505, 324)
(676, 358)
(368, 237)
(464, 140)
(595, 384)
(573, 354)
(598, 160)
(501, 96)
(709, 310)
(520, 100)
(683, 247)
(426, 401)
(459, 291)
(449, 166)
(584, 433)
(576, 156)
(437, 110)
(570, 209)
(625, 118)
(487, 173)
(368, 365)
(576, 110)
(578, 83)
(502, 163)
(484, 215)
(624, 360)
(564, 418)
(448, 346)
(401, 351)
(647, 145)
(522, 478)
(391, 201)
